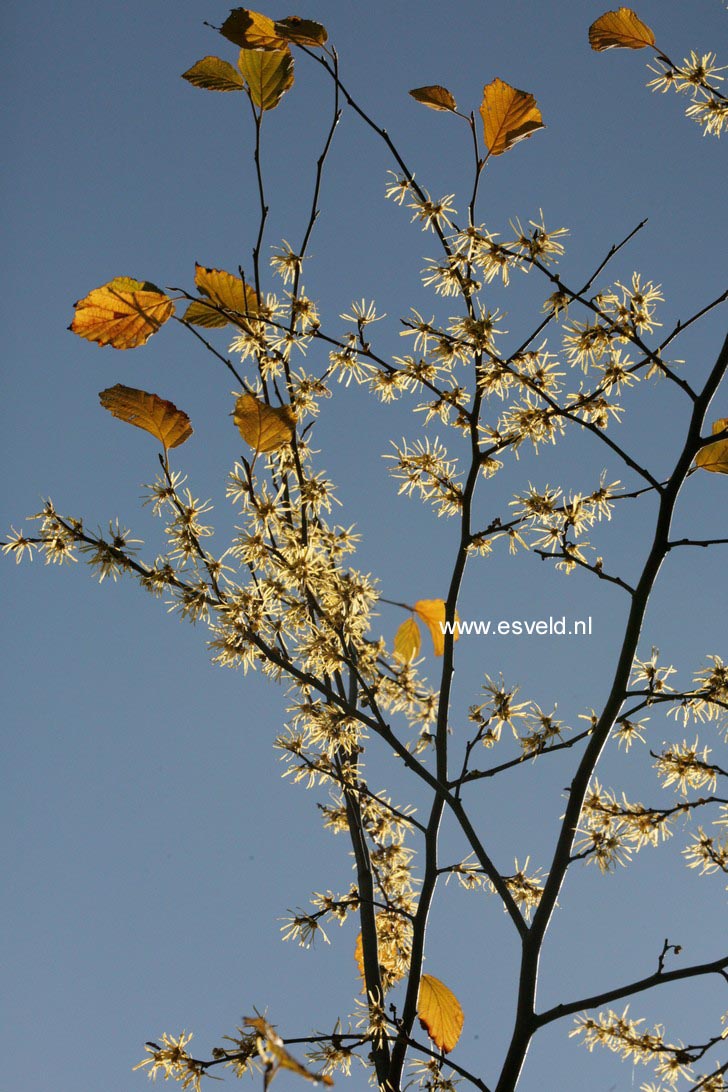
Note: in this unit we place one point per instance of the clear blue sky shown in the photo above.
(150, 845)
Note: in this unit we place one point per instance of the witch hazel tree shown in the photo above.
(285, 598)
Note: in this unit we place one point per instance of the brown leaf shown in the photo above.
(275, 1056)
(509, 115)
(621, 29)
(123, 313)
(262, 426)
(227, 292)
(302, 31)
(251, 30)
(268, 74)
(434, 96)
(714, 457)
(155, 415)
(439, 1012)
(214, 74)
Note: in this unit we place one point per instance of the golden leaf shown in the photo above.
(123, 313)
(262, 426)
(251, 30)
(214, 74)
(199, 314)
(359, 954)
(224, 290)
(432, 613)
(439, 1012)
(407, 641)
(155, 415)
(268, 74)
(302, 31)
(621, 29)
(509, 115)
(273, 1054)
(436, 97)
(714, 457)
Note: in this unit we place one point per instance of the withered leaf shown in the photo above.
(434, 96)
(155, 415)
(214, 74)
(302, 31)
(621, 29)
(227, 292)
(509, 115)
(275, 1056)
(123, 313)
(251, 30)
(264, 427)
(268, 74)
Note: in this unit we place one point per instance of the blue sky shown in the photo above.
(151, 845)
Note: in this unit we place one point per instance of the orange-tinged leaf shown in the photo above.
(302, 31)
(251, 30)
(225, 291)
(435, 96)
(714, 457)
(621, 29)
(407, 641)
(268, 74)
(214, 74)
(509, 115)
(262, 426)
(359, 954)
(155, 415)
(123, 313)
(439, 1012)
(432, 613)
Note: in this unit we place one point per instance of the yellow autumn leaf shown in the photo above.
(273, 1053)
(621, 29)
(303, 32)
(155, 415)
(407, 641)
(439, 1013)
(214, 74)
(225, 291)
(268, 74)
(714, 457)
(123, 313)
(509, 115)
(432, 613)
(434, 96)
(251, 30)
(262, 426)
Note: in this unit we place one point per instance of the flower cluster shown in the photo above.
(697, 76)
(625, 1036)
(172, 1060)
